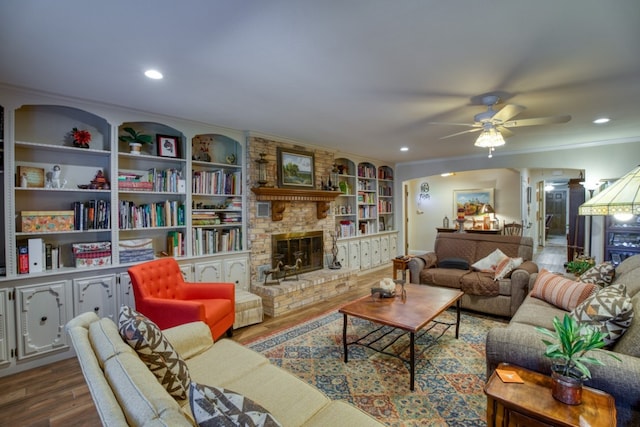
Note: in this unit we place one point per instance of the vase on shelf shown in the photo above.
(135, 148)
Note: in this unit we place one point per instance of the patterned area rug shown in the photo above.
(450, 373)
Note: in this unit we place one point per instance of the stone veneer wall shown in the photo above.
(298, 216)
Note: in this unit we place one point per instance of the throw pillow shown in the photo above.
(489, 263)
(215, 406)
(506, 266)
(610, 310)
(457, 263)
(601, 274)
(560, 291)
(146, 338)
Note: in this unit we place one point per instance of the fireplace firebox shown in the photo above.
(304, 249)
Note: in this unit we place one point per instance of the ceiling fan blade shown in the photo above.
(475, 125)
(461, 133)
(506, 133)
(507, 112)
(537, 121)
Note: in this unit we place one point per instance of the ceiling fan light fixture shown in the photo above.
(489, 138)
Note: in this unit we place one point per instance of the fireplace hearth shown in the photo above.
(297, 252)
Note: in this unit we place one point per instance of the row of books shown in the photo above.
(210, 241)
(216, 182)
(167, 180)
(346, 229)
(175, 243)
(367, 211)
(91, 215)
(385, 190)
(366, 171)
(161, 214)
(368, 198)
(35, 256)
(385, 206)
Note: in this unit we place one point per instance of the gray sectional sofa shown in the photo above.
(520, 344)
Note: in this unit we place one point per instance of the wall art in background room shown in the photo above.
(295, 168)
(472, 200)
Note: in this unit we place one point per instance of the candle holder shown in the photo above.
(262, 170)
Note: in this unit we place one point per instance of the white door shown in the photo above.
(384, 250)
(343, 253)
(376, 254)
(236, 271)
(354, 254)
(125, 292)
(365, 254)
(4, 339)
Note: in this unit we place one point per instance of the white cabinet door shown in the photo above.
(393, 246)
(4, 338)
(187, 272)
(343, 254)
(375, 252)
(43, 310)
(384, 250)
(365, 254)
(208, 271)
(236, 270)
(354, 254)
(97, 294)
(125, 292)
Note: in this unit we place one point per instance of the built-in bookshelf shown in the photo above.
(345, 205)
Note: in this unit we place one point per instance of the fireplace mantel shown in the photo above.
(278, 197)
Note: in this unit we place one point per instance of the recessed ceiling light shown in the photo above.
(153, 74)
(404, 148)
(601, 120)
(447, 174)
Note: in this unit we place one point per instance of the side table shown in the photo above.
(401, 264)
(531, 403)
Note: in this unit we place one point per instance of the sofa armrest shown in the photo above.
(189, 339)
(209, 291)
(419, 263)
(520, 284)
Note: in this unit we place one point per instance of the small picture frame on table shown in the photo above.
(168, 146)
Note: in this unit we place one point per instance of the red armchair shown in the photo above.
(163, 296)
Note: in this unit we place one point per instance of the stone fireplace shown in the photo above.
(305, 248)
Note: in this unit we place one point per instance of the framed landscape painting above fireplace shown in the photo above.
(295, 168)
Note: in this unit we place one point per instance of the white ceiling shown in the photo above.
(363, 76)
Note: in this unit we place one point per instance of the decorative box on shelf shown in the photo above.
(46, 221)
(95, 254)
(136, 250)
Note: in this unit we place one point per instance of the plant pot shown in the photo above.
(135, 148)
(566, 389)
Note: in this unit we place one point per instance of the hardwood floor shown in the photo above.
(57, 395)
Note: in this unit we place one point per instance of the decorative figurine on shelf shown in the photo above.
(53, 178)
(99, 182)
(81, 138)
(24, 182)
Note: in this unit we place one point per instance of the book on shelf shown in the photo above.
(23, 257)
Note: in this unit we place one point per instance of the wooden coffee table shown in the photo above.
(410, 313)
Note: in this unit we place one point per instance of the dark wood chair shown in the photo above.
(512, 229)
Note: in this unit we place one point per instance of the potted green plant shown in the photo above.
(578, 267)
(135, 139)
(571, 340)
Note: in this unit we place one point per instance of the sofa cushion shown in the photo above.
(146, 338)
(506, 266)
(479, 283)
(560, 291)
(630, 342)
(457, 263)
(447, 277)
(215, 406)
(489, 262)
(601, 274)
(609, 310)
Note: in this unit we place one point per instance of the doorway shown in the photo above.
(556, 213)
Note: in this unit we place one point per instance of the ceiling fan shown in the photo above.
(499, 122)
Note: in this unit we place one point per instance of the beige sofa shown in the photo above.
(127, 393)
(482, 293)
(520, 344)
